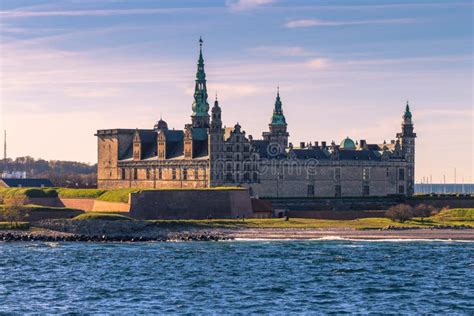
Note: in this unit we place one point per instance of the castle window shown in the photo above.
(365, 173)
(366, 190)
(185, 174)
(160, 173)
(337, 191)
(123, 174)
(310, 191)
(255, 177)
(388, 173)
(246, 176)
(337, 173)
(228, 177)
(173, 173)
(196, 173)
(135, 174)
(147, 174)
(401, 189)
(401, 174)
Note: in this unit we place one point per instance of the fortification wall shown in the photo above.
(84, 204)
(190, 204)
(360, 204)
(113, 207)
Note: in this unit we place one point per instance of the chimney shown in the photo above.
(323, 145)
(302, 145)
(392, 141)
(316, 144)
(363, 144)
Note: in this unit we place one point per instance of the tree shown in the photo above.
(400, 213)
(13, 210)
(423, 210)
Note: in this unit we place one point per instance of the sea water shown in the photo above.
(276, 277)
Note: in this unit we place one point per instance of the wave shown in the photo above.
(339, 238)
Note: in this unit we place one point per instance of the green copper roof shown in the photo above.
(278, 118)
(347, 143)
(407, 111)
(200, 105)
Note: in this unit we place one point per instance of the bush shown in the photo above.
(423, 210)
(13, 210)
(400, 213)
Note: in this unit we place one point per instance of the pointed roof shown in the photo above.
(407, 113)
(200, 105)
(278, 118)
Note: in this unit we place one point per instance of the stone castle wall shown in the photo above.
(190, 204)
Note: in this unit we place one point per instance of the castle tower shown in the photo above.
(407, 142)
(200, 116)
(278, 127)
(216, 145)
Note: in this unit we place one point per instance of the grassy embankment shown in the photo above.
(454, 217)
(103, 216)
(115, 195)
(17, 225)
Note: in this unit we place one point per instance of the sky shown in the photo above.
(344, 67)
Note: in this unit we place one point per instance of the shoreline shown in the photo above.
(353, 234)
(243, 234)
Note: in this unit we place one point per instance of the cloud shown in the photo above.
(101, 12)
(244, 5)
(315, 22)
(318, 63)
(293, 51)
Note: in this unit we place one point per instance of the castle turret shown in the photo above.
(200, 116)
(216, 145)
(407, 144)
(278, 127)
(216, 119)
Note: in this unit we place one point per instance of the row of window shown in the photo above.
(338, 190)
(151, 174)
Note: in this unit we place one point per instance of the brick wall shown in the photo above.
(190, 204)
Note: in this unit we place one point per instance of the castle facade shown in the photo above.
(205, 154)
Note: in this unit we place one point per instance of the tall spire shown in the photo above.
(200, 106)
(278, 118)
(407, 113)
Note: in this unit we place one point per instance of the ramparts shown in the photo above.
(190, 204)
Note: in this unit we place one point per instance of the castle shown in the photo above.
(206, 154)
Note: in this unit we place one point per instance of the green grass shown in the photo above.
(39, 208)
(102, 216)
(362, 223)
(80, 193)
(456, 214)
(28, 192)
(17, 225)
(117, 195)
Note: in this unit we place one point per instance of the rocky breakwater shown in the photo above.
(103, 231)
